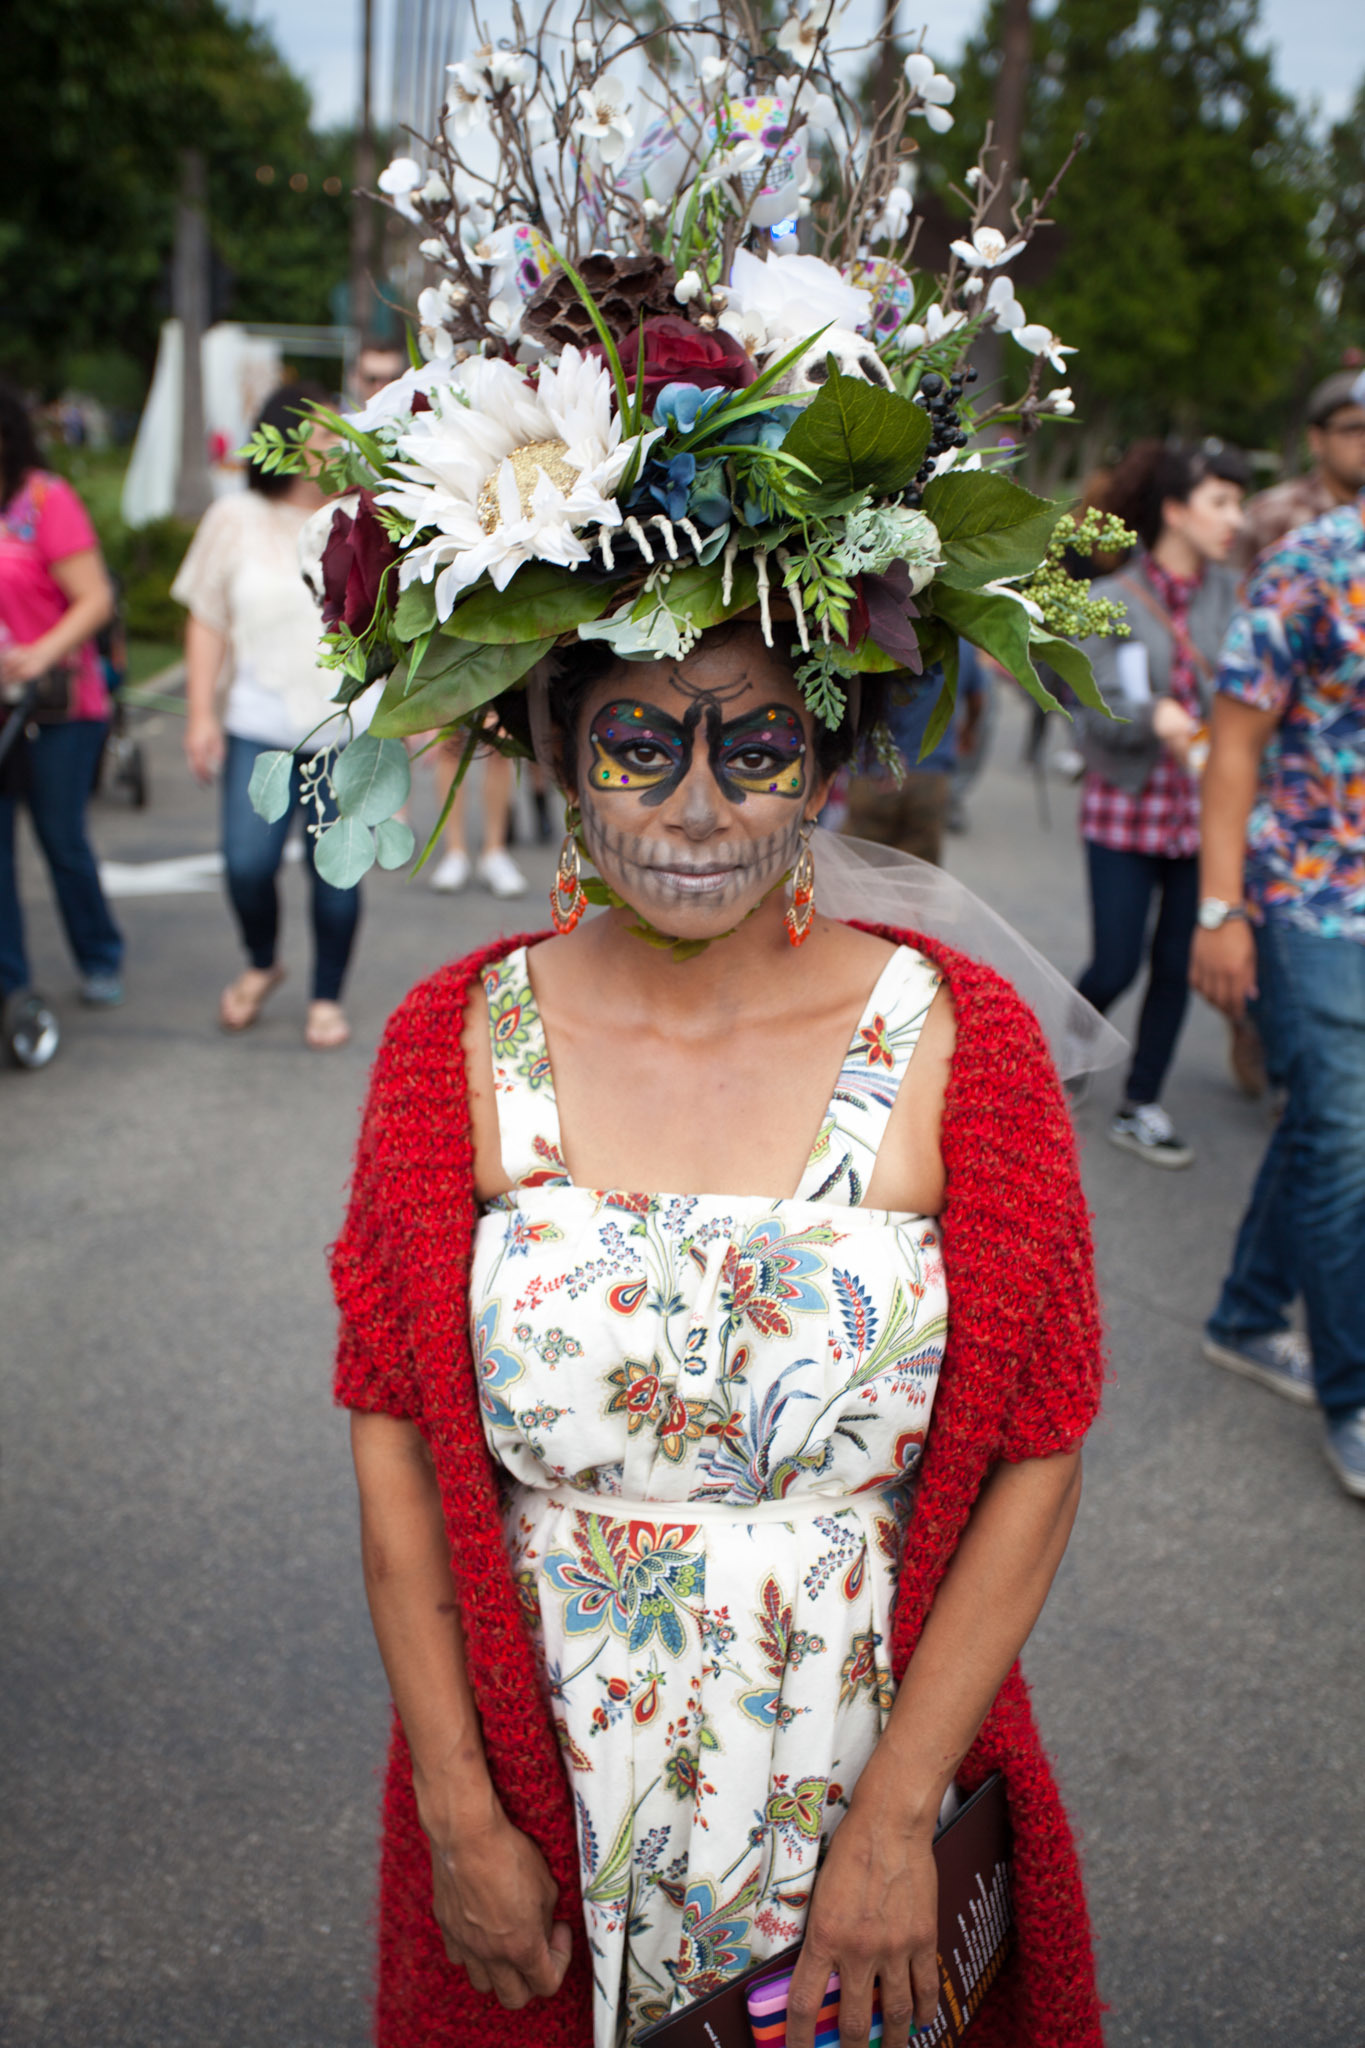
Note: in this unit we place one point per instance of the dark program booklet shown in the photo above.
(975, 1924)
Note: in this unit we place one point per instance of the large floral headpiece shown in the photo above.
(679, 367)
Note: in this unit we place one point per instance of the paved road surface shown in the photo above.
(192, 1712)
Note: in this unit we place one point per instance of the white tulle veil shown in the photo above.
(880, 885)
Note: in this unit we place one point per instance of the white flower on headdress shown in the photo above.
(688, 287)
(467, 101)
(393, 402)
(399, 181)
(510, 476)
(1060, 401)
(816, 108)
(1002, 307)
(435, 191)
(800, 40)
(747, 326)
(794, 295)
(934, 326)
(713, 69)
(1002, 589)
(934, 91)
(602, 118)
(894, 218)
(1041, 341)
(503, 67)
(987, 250)
(973, 178)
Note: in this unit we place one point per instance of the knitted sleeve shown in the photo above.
(371, 1259)
(1060, 1359)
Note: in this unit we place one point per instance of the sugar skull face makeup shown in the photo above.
(694, 790)
(639, 748)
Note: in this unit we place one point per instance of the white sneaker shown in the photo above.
(500, 874)
(1146, 1130)
(450, 873)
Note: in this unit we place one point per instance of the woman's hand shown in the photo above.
(19, 665)
(494, 1900)
(204, 748)
(1174, 727)
(874, 1919)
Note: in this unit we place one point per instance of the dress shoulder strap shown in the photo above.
(523, 1086)
(845, 1152)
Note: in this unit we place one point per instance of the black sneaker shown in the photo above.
(1145, 1129)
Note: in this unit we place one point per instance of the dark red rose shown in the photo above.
(677, 352)
(357, 553)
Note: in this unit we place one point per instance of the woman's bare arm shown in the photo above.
(205, 653)
(875, 1910)
(493, 1894)
(84, 583)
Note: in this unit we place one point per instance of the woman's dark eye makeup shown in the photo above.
(642, 751)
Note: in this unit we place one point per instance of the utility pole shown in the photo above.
(190, 305)
(1007, 137)
(362, 210)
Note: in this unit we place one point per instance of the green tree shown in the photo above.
(1344, 234)
(1184, 271)
(100, 98)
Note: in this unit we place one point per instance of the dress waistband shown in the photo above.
(800, 1507)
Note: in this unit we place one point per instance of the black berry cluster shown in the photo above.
(941, 397)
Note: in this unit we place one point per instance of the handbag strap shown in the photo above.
(1148, 598)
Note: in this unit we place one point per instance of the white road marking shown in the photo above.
(189, 874)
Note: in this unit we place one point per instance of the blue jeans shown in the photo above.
(58, 775)
(253, 850)
(1121, 889)
(1304, 1230)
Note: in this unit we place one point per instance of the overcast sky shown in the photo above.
(1319, 44)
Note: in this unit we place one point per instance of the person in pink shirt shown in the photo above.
(55, 595)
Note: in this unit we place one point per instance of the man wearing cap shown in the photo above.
(1282, 926)
(1336, 439)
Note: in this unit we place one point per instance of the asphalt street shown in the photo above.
(192, 1713)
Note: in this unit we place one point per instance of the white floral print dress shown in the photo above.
(709, 1410)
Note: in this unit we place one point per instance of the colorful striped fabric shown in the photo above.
(767, 2003)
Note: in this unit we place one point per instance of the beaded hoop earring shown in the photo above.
(800, 914)
(568, 900)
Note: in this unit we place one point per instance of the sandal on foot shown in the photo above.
(326, 1028)
(242, 1000)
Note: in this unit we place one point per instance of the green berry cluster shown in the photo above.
(1065, 601)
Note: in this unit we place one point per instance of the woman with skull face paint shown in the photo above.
(721, 1267)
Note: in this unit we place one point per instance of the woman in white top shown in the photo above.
(253, 622)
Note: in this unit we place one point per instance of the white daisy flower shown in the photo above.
(511, 476)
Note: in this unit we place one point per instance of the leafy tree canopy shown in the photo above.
(101, 98)
(1186, 265)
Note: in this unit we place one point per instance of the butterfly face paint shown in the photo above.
(642, 751)
(718, 846)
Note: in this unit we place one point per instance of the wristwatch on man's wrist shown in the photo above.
(1214, 913)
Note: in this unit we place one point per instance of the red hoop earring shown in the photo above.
(800, 914)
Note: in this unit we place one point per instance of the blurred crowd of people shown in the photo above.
(1222, 808)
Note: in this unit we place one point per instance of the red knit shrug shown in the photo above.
(1021, 1379)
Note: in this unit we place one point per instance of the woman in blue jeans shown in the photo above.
(1140, 804)
(54, 597)
(254, 625)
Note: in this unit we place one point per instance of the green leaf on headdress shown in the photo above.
(415, 612)
(344, 852)
(540, 599)
(371, 779)
(1000, 627)
(988, 527)
(1072, 665)
(858, 437)
(453, 680)
(694, 593)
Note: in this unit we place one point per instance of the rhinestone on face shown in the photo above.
(529, 463)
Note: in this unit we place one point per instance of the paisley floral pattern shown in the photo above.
(752, 1380)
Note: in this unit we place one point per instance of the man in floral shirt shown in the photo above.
(1282, 925)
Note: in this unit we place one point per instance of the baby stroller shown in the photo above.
(29, 1031)
(123, 765)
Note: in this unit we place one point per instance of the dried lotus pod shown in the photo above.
(623, 289)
